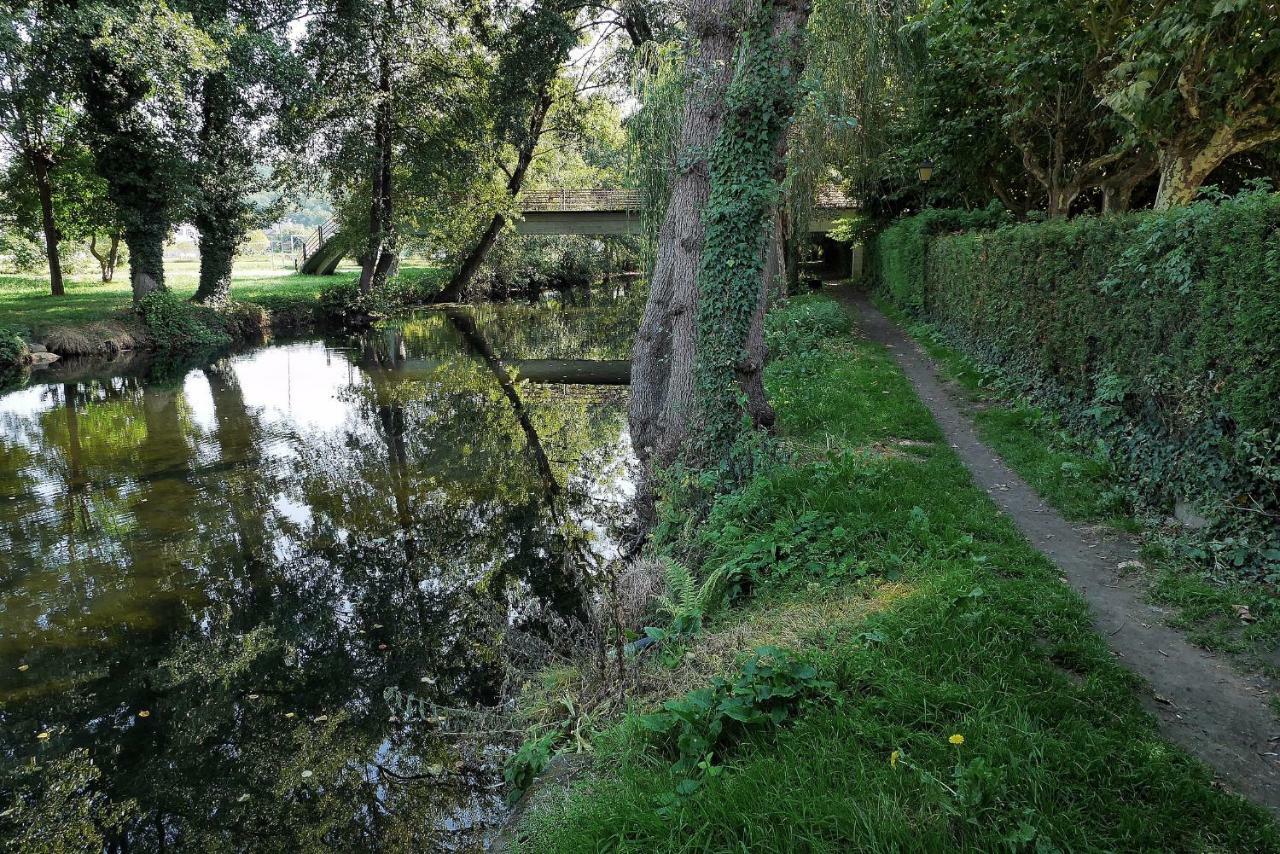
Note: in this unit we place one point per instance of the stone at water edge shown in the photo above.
(43, 359)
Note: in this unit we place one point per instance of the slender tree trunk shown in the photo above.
(40, 164)
(379, 258)
(1117, 189)
(515, 182)
(107, 260)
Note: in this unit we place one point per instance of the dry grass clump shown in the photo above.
(104, 338)
(795, 625)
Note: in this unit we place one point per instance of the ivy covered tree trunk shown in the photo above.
(699, 354)
(146, 259)
(662, 360)
(218, 214)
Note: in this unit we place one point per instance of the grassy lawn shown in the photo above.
(968, 705)
(25, 303)
(1077, 479)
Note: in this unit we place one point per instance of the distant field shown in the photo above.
(25, 303)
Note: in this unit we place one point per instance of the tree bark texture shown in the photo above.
(665, 351)
(41, 163)
(1185, 163)
(665, 359)
(380, 259)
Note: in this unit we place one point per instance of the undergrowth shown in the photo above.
(969, 706)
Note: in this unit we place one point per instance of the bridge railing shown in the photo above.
(580, 200)
(323, 232)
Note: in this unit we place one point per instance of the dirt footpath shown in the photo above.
(1202, 703)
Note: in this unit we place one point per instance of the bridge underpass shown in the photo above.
(593, 212)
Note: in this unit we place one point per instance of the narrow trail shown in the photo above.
(1203, 704)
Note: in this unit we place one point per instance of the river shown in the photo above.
(261, 603)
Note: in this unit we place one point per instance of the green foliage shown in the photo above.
(770, 688)
(524, 766)
(801, 325)
(687, 601)
(1155, 333)
(343, 301)
(896, 257)
(979, 638)
(13, 350)
(176, 324)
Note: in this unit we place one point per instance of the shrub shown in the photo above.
(803, 324)
(178, 325)
(770, 688)
(1159, 333)
(13, 350)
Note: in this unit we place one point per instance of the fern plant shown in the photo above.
(687, 602)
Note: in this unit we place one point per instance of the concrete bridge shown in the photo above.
(595, 212)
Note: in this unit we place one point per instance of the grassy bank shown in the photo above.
(25, 303)
(944, 690)
(1075, 475)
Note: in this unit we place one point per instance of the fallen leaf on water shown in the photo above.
(22, 668)
(253, 696)
(44, 736)
(1242, 611)
(320, 718)
(288, 714)
(144, 714)
(306, 773)
(377, 625)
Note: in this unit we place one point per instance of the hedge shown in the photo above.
(1157, 332)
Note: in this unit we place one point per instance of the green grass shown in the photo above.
(1085, 487)
(984, 642)
(25, 302)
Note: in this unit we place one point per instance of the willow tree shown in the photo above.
(697, 363)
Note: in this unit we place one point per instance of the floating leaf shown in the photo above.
(23, 668)
(144, 713)
(44, 736)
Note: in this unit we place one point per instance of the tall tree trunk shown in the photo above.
(218, 213)
(379, 258)
(1117, 189)
(674, 379)
(40, 164)
(515, 182)
(662, 360)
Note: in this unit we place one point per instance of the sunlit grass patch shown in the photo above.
(971, 706)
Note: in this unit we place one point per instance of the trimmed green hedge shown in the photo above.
(1159, 333)
(896, 258)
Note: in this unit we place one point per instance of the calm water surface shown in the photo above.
(210, 577)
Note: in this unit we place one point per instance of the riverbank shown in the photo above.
(98, 319)
(932, 683)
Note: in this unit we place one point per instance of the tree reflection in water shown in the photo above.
(210, 576)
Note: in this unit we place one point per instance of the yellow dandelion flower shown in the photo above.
(893, 758)
(956, 739)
